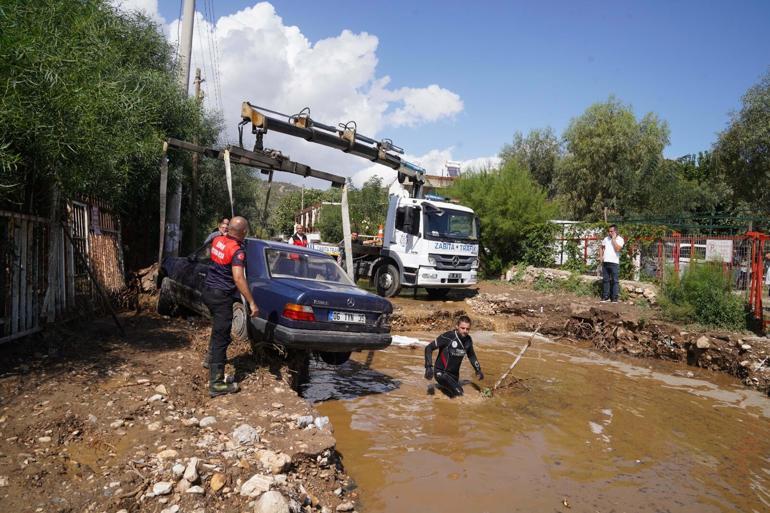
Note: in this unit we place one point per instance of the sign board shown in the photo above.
(719, 250)
(329, 249)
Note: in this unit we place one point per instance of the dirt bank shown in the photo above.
(98, 423)
(633, 327)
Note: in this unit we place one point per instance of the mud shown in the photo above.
(583, 433)
(625, 328)
(93, 422)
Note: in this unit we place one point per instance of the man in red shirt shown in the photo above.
(225, 278)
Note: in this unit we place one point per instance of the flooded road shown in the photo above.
(598, 434)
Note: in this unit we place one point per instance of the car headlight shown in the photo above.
(432, 261)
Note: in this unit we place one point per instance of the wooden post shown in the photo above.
(52, 289)
(163, 193)
(194, 170)
(346, 233)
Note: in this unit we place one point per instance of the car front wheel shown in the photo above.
(239, 330)
(166, 303)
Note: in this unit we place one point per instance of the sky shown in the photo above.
(455, 80)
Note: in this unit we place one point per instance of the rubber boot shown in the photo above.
(217, 383)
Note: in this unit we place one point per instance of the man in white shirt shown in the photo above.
(610, 255)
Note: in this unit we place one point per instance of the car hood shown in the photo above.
(336, 295)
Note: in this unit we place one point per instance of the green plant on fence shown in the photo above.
(703, 294)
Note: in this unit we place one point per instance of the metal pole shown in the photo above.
(346, 233)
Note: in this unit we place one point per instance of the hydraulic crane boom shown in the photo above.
(344, 137)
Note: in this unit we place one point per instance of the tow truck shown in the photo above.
(428, 242)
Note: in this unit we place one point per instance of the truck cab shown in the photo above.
(427, 243)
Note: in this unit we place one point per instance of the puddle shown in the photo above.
(603, 434)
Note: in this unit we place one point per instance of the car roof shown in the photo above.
(282, 246)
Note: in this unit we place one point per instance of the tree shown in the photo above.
(539, 152)
(368, 209)
(609, 154)
(742, 151)
(88, 96)
(509, 204)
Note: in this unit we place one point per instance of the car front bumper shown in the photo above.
(321, 340)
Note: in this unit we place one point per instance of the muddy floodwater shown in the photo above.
(582, 433)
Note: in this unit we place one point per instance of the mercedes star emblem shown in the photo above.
(455, 260)
(351, 302)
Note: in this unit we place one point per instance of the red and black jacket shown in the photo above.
(226, 252)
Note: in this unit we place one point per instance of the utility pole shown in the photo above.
(173, 219)
(195, 161)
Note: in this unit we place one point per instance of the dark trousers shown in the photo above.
(449, 384)
(220, 304)
(610, 283)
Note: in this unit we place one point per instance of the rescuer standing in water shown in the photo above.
(452, 347)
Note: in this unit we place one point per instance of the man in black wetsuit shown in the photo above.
(452, 347)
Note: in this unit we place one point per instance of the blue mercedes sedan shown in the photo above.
(306, 301)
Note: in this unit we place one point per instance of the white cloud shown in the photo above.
(274, 65)
(434, 163)
(148, 7)
(425, 105)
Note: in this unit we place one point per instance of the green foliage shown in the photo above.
(539, 244)
(609, 156)
(368, 207)
(703, 295)
(539, 152)
(510, 204)
(743, 150)
(88, 96)
(574, 284)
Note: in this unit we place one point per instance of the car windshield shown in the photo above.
(286, 264)
(447, 224)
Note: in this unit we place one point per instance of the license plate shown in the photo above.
(357, 318)
(455, 276)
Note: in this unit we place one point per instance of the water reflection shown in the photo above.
(347, 381)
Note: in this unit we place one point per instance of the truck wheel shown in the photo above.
(239, 330)
(166, 304)
(437, 293)
(388, 281)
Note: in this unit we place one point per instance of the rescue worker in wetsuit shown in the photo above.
(452, 347)
(225, 278)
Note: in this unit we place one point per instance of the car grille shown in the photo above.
(453, 262)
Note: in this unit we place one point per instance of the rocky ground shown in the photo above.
(92, 422)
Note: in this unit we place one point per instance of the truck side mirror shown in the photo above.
(412, 220)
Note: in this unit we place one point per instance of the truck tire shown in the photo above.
(239, 330)
(166, 303)
(437, 293)
(388, 281)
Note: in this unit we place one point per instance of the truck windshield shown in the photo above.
(450, 225)
(287, 264)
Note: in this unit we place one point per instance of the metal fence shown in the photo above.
(742, 256)
(42, 277)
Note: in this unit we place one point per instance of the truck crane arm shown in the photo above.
(344, 137)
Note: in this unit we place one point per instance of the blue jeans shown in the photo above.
(610, 284)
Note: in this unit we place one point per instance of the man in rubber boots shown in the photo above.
(226, 277)
(452, 347)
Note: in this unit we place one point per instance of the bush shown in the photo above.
(703, 295)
